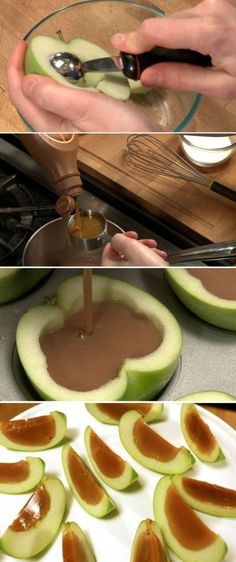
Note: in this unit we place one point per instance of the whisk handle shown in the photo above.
(223, 190)
(135, 64)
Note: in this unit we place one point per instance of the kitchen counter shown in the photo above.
(18, 17)
(192, 209)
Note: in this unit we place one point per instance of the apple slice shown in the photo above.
(75, 546)
(203, 496)
(16, 282)
(22, 476)
(151, 450)
(148, 544)
(198, 435)
(34, 434)
(111, 413)
(109, 466)
(38, 522)
(184, 532)
(84, 487)
(207, 396)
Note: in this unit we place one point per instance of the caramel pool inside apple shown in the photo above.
(83, 362)
(148, 547)
(212, 493)
(219, 282)
(13, 472)
(83, 480)
(116, 410)
(35, 431)
(107, 461)
(151, 444)
(72, 548)
(34, 510)
(198, 431)
(185, 525)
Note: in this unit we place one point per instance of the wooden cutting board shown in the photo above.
(192, 208)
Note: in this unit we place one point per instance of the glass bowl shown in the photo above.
(208, 150)
(97, 21)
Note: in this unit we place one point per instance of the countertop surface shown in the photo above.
(17, 18)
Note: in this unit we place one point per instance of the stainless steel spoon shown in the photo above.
(209, 252)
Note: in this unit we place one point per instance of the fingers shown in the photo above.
(184, 77)
(136, 253)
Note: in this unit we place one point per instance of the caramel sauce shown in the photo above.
(86, 227)
(211, 493)
(185, 525)
(34, 510)
(88, 301)
(151, 444)
(72, 548)
(116, 410)
(198, 431)
(148, 547)
(13, 472)
(85, 362)
(35, 431)
(83, 479)
(219, 282)
(107, 461)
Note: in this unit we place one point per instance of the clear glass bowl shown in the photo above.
(97, 21)
(208, 150)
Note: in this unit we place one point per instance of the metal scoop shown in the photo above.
(71, 68)
(88, 243)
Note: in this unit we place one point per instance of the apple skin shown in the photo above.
(138, 379)
(215, 552)
(209, 457)
(216, 311)
(16, 282)
(36, 473)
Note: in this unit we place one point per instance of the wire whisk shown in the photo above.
(149, 154)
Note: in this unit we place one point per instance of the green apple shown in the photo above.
(184, 532)
(207, 396)
(22, 476)
(203, 496)
(38, 522)
(198, 435)
(109, 466)
(75, 545)
(111, 413)
(138, 379)
(190, 290)
(16, 282)
(33, 434)
(86, 490)
(148, 544)
(163, 457)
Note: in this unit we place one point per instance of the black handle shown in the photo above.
(135, 64)
(223, 190)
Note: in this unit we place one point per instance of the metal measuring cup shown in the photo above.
(93, 243)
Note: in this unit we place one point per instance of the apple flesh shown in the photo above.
(198, 435)
(35, 469)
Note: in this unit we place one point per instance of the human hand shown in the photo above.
(47, 106)
(126, 249)
(210, 28)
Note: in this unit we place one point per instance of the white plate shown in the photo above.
(112, 537)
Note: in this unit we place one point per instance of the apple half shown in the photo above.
(16, 282)
(38, 522)
(75, 545)
(198, 435)
(184, 532)
(151, 450)
(111, 413)
(148, 544)
(138, 379)
(109, 466)
(207, 396)
(208, 498)
(33, 434)
(85, 488)
(21, 476)
(190, 290)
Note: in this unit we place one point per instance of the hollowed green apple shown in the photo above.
(34, 434)
(111, 413)
(207, 396)
(148, 544)
(198, 435)
(22, 476)
(190, 290)
(163, 457)
(138, 379)
(110, 467)
(86, 490)
(16, 282)
(209, 498)
(75, 545)
(184, 532)
(38, 522)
